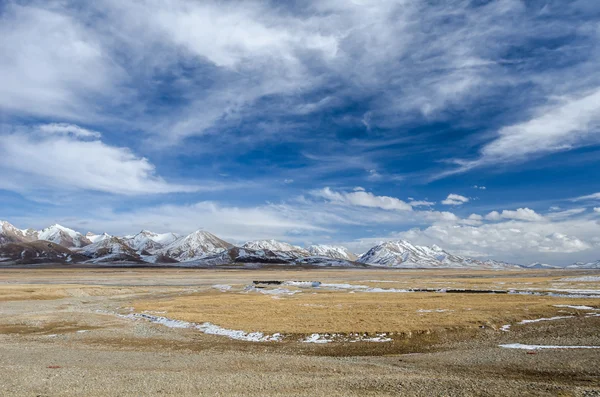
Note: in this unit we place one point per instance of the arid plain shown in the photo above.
(172, 331)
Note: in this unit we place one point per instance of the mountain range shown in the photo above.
(59, 244)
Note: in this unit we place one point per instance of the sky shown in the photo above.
(470, 124)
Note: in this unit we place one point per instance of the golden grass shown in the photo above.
(24, 292)
(343, 312)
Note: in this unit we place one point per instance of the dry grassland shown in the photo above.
(344, 312)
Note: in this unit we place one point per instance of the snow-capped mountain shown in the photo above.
(581, 265)
(63, 236)
(332, 251)
(194, 246)
(403, 254)
(94, 238)
(538, 265)
(10, 234)
(149, 241)
(247, 256)
(276, 246)
(112, 249)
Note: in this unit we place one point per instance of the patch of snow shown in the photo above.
(434, 311)
(577, 307)
(209, 328)
(353, 338)
(584, 278)
(539, 347)
(303, 284)
(505, 328)
(544, 319)
(317, 338)
(222, 287)
(361, 288)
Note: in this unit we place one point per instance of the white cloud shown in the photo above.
(31, 161)
(513, 240)
(591, 197)
(51, 64)
(523, 214)
(479, 187)
(597, 209)
(69, 129)
(236, 224)
(565, 213)
(557, 128)
(421, 203)
(362, 199)
(572, 123)
(455, 199)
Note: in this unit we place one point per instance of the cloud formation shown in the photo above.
(455, 199)
(362, 199)
(49, 158)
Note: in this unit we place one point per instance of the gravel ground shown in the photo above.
(74, 347)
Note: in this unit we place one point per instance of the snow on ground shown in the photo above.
(538, 347)
(544, 319)
(276, 291)
(361, 288)
(318, 338)
(505, 328)
(209, 328)
(352, 338)
(222, 287)
(434, 311)
(303, 284)
(584, 278)
(577, 307)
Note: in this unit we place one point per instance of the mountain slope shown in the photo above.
(194, 246)
(63, 236)
(110, 250)
(581, 265)
(538, 265)
(149, 241)
(37, 252)
(239, 255)
(403, 254)
(276, 246)
(332, 251)
(10, 234)
(94, 238)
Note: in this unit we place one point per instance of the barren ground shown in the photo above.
(73, 332)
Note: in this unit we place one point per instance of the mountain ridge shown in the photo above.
(202, 247)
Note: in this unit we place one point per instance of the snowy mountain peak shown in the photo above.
(10, 234)
(332, 251)
(406, 255)
(63, 236)
(111, 249)
(150, 241)
(581, 265)
(94, 238)
(538, 265)
(274, 245)
(195, 245)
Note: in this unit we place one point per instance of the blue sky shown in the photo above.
(474, 125)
